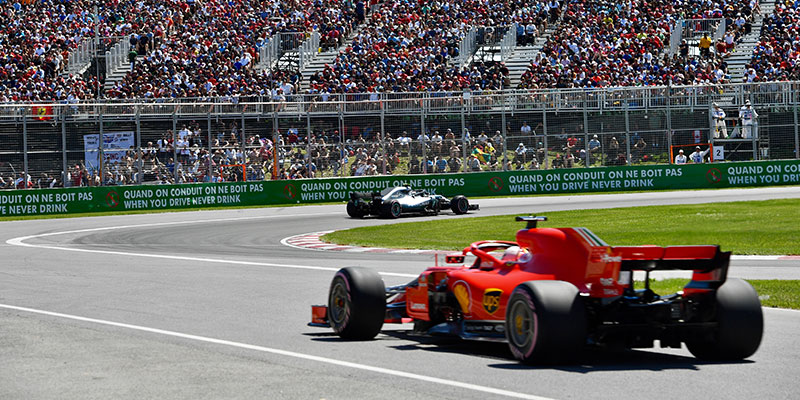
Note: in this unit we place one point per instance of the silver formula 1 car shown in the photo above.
(397, 200)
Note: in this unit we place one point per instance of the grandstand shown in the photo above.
(327, 87)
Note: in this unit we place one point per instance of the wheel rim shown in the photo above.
(396, 209)
(522, 326)
(462, 205)
(339, 304)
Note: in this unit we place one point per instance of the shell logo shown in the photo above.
(461, 292)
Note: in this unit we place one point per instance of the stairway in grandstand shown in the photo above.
(743, 51)
(328, 56)
(519, 60)
(117, 73)
(521, 57)
(318, 64)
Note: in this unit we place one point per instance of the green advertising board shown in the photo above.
(307, 191)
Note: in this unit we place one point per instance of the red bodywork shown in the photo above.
(573, 255)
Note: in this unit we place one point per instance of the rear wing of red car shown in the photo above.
(708, 263)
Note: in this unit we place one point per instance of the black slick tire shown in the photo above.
(459, 205)
(353, 211)
(392, 209)
(546, 322)
(740, 325)
(356, 303)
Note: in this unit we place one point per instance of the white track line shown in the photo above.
(20, 241)
(385, 371)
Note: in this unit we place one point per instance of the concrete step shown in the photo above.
(117, 75)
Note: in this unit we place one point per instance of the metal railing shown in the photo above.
(309, 49)
(764, 94)
(509, 43)
(47, 141)
(81, 57)
(675, 37)
(467, 47)
(117, 57)
(719, 30)
(268, 53)
(694, 29)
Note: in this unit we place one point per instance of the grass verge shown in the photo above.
(748, 227)
(773, 293)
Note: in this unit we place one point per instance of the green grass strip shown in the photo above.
(747, 227)
(773, 293)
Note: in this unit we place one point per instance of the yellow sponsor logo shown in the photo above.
(461, 292)
(491, 300)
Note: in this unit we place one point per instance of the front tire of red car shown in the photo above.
(546, 322)
(356, 303)
(740, 325)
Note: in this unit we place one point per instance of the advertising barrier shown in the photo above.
(307, 191)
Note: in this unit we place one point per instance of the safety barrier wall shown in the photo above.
(496, 183)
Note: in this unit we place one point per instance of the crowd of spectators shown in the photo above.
(218, 41)
(36, 39)
(600, 43)
(777, 54)
(198, 48)
(212, 49)
(406, 46)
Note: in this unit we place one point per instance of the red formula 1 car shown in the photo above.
(554, 291)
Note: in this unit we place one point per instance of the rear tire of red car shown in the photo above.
(459, 205)
(392, 210)
(356, 303)
(546, 322)
(353, 211)
(740, 325)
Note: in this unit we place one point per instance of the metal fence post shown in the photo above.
(342, 152)
(210, 151)
(175, 148)
(669, 117)
(586, 159)
(464, 141)
(422, 141)
(546, 161)
(712, 130)
(383, 137)
(139, 161)
(275, 146)
(24, 152)
(101, 158)
(63, 149)
(627, 134)
(796, 132)
(503, 121)
(308, 139)
(244, 148)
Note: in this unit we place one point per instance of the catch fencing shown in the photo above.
(253, 139)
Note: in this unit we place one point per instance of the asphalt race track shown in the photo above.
(211, 305)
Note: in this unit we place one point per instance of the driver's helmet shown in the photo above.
(512, 253)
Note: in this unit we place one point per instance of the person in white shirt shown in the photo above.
(525, 130)
(748, 116)
(720, 129)
(520, 155)
(698, 156)
(680, 158)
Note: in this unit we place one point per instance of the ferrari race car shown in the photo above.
(553, 292)
(395, 201)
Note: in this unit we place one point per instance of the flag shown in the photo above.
(43, 113)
